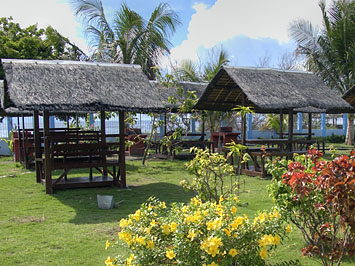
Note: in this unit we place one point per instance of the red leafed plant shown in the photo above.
(319, 198)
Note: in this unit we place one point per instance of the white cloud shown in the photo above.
(55, 13)
(255, 19)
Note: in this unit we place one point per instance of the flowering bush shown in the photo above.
(211, 173)
(319, 198)
(209, 234)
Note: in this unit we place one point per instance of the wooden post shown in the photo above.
(122, 155)
(103, 137)
(24, 143)
(310, 126)
(47, 159)
(281, 124)
(244, 122)
(38, 149)
(290, 128)
(165, 124)
(203, 129)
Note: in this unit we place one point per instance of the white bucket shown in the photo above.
(105, 201)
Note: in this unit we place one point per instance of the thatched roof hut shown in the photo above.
(165, 92)
(58, 86)
(349, 96)
(269, 90)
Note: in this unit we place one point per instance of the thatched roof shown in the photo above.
(269, 90)
(165, 92)
(60, 86)
(349, 96)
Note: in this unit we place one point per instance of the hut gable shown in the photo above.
(349, 96)
(268, 90)
(78, 86)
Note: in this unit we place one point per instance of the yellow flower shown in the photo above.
(170, 254)
(173, 227)
(163, 205)
(221, 199)
(214, 225)
(150, 244)
(125, 236)
(166, 229)
(228, 233)
(109, 261)
(191, 235)
(236, 199)
(184, 209)
(107, 244)
(233, 252)
(139, 240)
(123, 223)
(263, 253)
(153, 223)
(211, 245)
(147, 230)
(196, 201)
(137, 215)
(129, 260)
(276, 240)
(212, 264)
(288, 228)
(150, 207)
(237, 222)
(233, 209)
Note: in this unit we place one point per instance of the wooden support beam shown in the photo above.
(165, 124)
(310, 126)
(290, 128)
(203, 129)
(103, 137)
(244, 122)
(38, 149)
(47, 159)
(24, 144)
(122, 155)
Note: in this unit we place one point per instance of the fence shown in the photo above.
(144, 122)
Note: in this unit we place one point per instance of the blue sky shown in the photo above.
(247, 29)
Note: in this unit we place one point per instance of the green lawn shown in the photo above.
(67, 228)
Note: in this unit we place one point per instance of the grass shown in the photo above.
(67, 228)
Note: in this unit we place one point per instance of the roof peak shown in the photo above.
(66, 62)
(267, 69)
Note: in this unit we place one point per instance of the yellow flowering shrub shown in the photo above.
(198, 233)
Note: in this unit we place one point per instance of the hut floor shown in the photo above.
(83, 182)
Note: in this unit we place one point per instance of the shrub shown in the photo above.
(197, 234)
(211, 173)
(319, 198)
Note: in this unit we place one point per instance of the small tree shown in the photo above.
(319, 198)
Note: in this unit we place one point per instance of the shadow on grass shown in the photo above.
(84, 201)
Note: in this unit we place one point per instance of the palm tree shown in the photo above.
(330, 52)
(188, 70)
(130, 39)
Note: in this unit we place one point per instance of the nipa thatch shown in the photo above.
(269, 90)
(60, 86)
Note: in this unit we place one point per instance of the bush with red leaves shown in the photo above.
(319, 198)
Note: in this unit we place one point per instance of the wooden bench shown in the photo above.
(258, 159)
(78, 151)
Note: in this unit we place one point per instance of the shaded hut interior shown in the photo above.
(52, 87)
(271, 91)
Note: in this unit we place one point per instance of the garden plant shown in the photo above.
(318, 197)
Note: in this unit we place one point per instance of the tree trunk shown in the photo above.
(349, 140)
